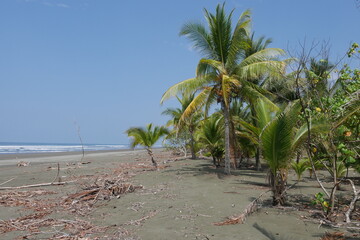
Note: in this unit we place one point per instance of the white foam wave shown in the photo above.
(41, 148)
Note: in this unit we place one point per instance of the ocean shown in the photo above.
(10, 148)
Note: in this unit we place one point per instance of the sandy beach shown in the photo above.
(181, 200)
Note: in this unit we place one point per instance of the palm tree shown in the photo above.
(318, 75)
(146, 137)
(188, 125)
(211, 136)
(277, 141)
(279, 138)
(225, 72)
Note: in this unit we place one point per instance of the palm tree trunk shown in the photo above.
(227, 137)
(257, 159)
(298, 156)
(192, 144)
(233, 150)
(278, 185)
(152, 157)
(257, 154)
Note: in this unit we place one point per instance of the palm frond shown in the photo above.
(220, 31)
(262, 55)
(264, 114)
(249, 127)
(212, 98)
(147, 136)
(316, 127)
(200, 37)
(276, 139)
(197, 103)
(213, 64)
(238, 38)
(350, 108)
(244, 21)
(252, 93)
(187, 86)
(248, 136)
(227, 85)
(255, 70)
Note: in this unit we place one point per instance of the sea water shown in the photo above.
(9, 148)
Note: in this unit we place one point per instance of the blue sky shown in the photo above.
(106, 63)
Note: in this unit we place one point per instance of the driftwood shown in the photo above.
(336, 225)
(251, 208)
(106, 191)
(333, 236)
(23, 164)
(36, 185)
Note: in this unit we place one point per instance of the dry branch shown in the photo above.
(251, 208)
(36, 185)
(353, 201)
(141, 220)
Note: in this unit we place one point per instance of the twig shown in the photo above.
(7, 181)
(139, 221)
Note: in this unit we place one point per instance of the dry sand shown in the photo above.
(180, 201)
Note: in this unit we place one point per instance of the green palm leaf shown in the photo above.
(274, 69)
(350, 108)
(212, 63)
(238, 39)
(262, 55)
(198, 34)
(276, 141)
(186, 86)
(197, 102)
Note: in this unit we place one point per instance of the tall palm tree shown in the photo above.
(146, 137)
(189, 124)
(225, 72)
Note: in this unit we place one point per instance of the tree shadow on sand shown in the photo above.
(208, 168)
(270, 235)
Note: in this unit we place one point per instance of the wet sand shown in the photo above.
(180, 201)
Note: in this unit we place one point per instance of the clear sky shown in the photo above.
(106, 63)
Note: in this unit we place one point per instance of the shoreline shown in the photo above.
(51, 157)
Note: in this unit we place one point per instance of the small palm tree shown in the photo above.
(188, 126)
(277, 143)
(146, 137)
(211, 136)
(300, 167)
